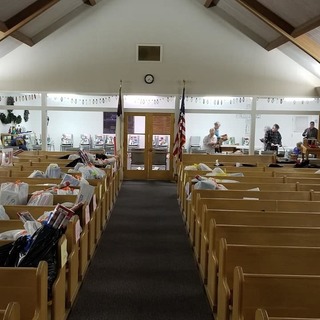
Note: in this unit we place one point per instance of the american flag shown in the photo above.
(119, 109)
(118, 137)
(181, 130)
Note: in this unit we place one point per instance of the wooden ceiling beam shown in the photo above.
(306, 27)
(276, 43)
(90, 2)
(17, 35)
(302, 29)
(26, 15)
(23, 38)
(303, 41)
(268, 14)
(211, 3)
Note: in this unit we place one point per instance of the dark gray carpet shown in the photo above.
(144, 267)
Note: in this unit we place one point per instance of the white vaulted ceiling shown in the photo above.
(29, 21)
(292, 26)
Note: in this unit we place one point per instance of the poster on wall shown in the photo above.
(109, 122)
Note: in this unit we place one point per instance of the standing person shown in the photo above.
(273, 138)
(221, 137)
(266, 128)
(216, 127)
(210, 141)
(311, 132)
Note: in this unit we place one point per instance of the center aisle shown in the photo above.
(144, 266)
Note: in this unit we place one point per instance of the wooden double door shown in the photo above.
(148, 142)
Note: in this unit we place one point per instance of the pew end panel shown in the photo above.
(282, 295)
(12, 312)
(28, 287)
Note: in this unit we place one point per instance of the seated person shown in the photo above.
(19, 142)
(297, 149)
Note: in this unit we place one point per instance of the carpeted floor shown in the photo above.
(144, 267)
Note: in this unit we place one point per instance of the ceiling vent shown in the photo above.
(149, 53)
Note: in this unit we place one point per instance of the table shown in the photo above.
(232, 148)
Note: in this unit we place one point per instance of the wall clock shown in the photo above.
(148, 78)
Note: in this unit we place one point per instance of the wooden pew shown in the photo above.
(260, 260)
(262, 314)
(104, 201)
(236, 194)
(251, 179)
(262, 160)
(202, 197)
(252, 204)
(302, 179)
(233, 217)
(310, 174)
(67, 283)
(12, 312)
(253, 235)
(94, 223)
(59, 290)
(250, 186)
(77, 242)
(282, 295)
(187, 175)
(28, 287)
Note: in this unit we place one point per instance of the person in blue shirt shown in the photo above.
(297, 149)
(216, 127)
(20, 142)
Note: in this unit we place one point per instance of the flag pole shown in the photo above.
(118, 146)
(180, 139)
(117, 140)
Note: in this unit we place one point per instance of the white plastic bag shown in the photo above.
(14, 193)
(3, 214)
(12, 234)
(41, 199)
(37, 174)
(203, 167)
(53, 171)
(68, 178)
(91, 172)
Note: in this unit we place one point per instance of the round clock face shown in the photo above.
(148, 78)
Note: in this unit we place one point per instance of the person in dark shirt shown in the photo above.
(273, 139)
(311, 132)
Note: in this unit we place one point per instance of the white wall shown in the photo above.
(231, 124)
(74, 122)
(97, 49)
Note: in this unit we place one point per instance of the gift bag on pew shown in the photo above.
(14, 193)
(53, 171)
